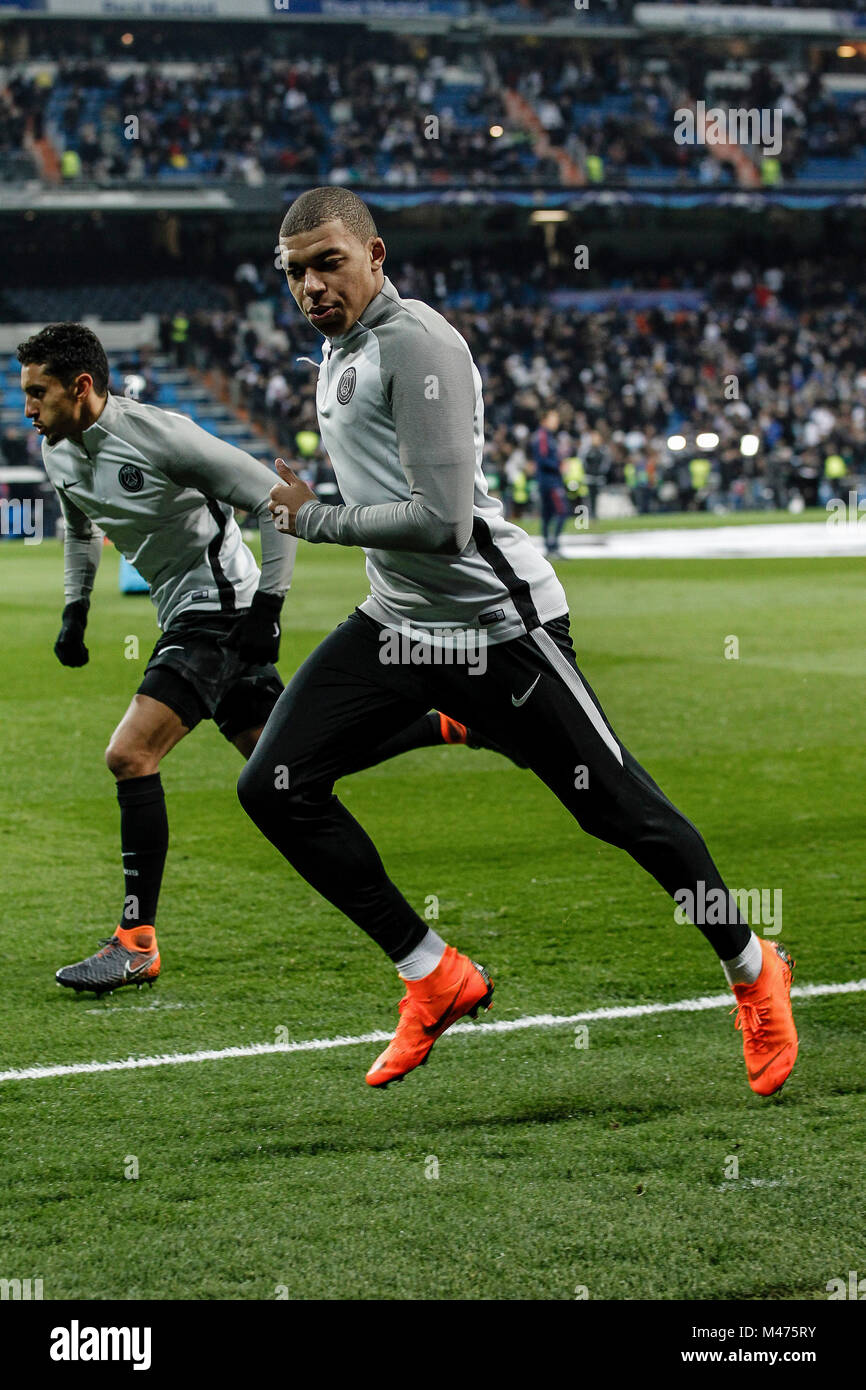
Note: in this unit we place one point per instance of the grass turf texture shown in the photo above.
(558, 1166)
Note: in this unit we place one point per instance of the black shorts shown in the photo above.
(196, 676)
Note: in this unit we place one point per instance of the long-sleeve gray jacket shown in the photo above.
(401, 415)
(162, 489)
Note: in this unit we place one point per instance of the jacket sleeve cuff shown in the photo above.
(306, 518)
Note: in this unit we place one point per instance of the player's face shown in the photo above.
(53, 407)
(332, 275)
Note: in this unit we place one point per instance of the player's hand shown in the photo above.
(256, 634)
(69, 647)
(288, 497)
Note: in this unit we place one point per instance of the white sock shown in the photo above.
(745, 968)
(423, 958)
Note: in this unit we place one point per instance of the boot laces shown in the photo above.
(752, 1021)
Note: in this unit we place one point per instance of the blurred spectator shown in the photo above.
(180, 337)
(547, 460)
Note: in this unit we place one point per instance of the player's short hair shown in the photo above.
(67, 350)
(327, 204)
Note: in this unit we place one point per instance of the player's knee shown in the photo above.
(247, 789)
(256, 792)
(125, 760)
(272, 794)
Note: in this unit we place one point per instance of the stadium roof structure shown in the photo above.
(240, 198)
(468, 16)
(425, 16)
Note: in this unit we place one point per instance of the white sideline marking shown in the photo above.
(761, 541)
(511, 1025)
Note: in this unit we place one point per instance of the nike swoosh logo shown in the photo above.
(129, 974)
(170, 649)
(434, 1027)
(753, 1075)
(522, 701)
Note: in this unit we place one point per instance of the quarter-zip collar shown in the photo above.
(94, 437)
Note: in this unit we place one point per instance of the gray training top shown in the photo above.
(162, 489)
(402, 417)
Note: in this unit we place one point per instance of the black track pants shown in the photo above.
(530, 699)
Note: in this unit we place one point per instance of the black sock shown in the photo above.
(144, 843)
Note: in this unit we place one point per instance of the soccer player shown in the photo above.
(163, 490)
(400, 411)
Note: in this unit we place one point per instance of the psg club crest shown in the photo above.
(346, 386)
(131, 479)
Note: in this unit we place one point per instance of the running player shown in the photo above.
(400, 411)
(163, 490)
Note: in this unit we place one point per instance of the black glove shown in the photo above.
(256, 634)
(69, 647)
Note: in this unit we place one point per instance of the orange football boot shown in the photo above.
(456, 987)
(765, 1019)
(451, 730)
(130, 957)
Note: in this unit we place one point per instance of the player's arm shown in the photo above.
(199, 460)
(82, 551)
(192, 457)
(429, 385)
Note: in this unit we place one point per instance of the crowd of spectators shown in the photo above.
(778, 353)
(406, 111)
(721, 389)
(250, 116)
(597, 100)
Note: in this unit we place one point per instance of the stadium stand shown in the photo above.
(569, 113)
(115, 111)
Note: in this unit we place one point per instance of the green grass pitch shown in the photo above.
(516, 1165)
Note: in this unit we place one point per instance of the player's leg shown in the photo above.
(247, 704)
(556, 722)
(560, 502)
(341, 697)
(336, 700)
(432, 730)
(190, 677)
(184, 679)
(149, 729)
(548, 517)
